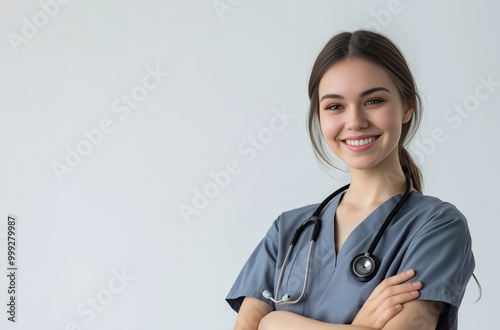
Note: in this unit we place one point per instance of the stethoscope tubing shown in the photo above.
(306, 277)
(364, 262)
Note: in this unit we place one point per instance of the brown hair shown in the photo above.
(382, 51)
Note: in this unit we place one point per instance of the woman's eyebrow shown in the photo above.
(367, 92)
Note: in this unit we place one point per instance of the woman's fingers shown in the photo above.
(391, 306)
(398, 294)
(387, 315)
(398, 299)
(399, 289)
(387, 300)
(393, 282)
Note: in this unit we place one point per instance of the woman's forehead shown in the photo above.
(354, 75)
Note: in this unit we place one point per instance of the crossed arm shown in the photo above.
(391, 306)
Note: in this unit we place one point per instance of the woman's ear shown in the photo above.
(407, 115)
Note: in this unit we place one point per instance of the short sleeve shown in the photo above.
(441, 255)
(258, 272)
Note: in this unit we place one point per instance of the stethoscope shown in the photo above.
(363, 267)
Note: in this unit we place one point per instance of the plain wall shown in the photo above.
(224, 71)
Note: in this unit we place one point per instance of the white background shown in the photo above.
(118, 210)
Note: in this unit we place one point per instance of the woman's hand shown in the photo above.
(387, 300)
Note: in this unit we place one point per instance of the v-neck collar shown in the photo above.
(368, 226)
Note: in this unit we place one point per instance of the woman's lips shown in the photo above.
(360, 143)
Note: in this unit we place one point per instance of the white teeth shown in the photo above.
(360, 142)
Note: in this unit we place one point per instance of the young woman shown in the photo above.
(375, 235)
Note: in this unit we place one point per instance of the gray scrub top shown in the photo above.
(427, 235)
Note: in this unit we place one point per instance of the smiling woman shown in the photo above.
(362, 122)
(382, 58)
(364, 108)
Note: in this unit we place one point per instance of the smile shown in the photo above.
(360, 142)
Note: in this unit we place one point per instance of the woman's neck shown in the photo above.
(375, 186)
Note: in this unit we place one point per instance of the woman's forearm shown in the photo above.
(251, 313)
(425, 310)
(282, 320)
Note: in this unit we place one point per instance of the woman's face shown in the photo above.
(361, 113)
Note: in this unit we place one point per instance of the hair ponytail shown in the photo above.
(410, 168)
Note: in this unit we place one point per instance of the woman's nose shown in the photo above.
(355, 119)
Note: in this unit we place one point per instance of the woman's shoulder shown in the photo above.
(434, 204)
(299, 213)
(433, 210)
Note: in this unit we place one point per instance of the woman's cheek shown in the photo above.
(328, 127)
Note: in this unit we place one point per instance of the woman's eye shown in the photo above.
(334, 107)
(374, 101)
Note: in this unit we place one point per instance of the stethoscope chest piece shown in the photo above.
(364, 267)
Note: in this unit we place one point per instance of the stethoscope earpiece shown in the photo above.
(286, 298)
